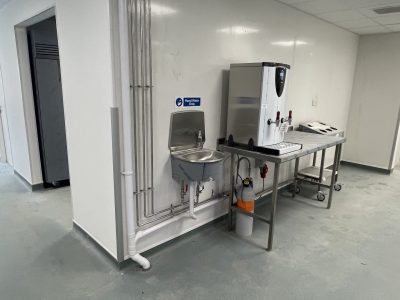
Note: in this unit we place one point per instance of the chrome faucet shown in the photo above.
(199, 142)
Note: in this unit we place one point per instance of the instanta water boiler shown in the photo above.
(256, 107)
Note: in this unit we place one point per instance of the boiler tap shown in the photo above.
(277, 120)
(288, 119)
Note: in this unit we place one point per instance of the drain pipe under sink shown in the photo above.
(192, 197)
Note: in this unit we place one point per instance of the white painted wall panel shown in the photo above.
(396, 157)
(85, 57)
(4, 123)
(28, 105)
(195, 41)
(375, 101)
(14, 13)
(11, 15)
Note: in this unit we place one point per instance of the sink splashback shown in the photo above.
(186, 148)
(184, 129)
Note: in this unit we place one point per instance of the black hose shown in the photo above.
(238, 166)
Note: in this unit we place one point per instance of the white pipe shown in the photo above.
(192, 196)
(143, 233)
(142, 261)
(127, 137)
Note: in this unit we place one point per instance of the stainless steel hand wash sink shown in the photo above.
(190, 162)
(200, 156)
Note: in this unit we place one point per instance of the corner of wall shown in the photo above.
(28, 106)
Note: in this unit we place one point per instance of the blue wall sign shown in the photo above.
(188, 101)
(191, 101)
(179, 102)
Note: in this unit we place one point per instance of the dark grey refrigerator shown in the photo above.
(48, 97)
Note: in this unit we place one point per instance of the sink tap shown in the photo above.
(199, 142)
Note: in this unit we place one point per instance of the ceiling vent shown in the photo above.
(387, 10)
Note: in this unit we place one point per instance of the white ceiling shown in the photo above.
(357, 16)
(3, 2)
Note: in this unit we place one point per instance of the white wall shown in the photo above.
(194, 42)
(193, 48)
(396, 157)
(4, 135)
(13, 13)
(28, 102)
(375, 101)
(85, 56)
(3, 152)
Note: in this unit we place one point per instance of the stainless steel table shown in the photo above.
(312, 143)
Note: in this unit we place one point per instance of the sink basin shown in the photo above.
(197, 165)
(201, 156)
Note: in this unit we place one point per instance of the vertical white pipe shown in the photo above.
(127, 136)
(192, 197)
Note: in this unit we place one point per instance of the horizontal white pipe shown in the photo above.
(143, 233)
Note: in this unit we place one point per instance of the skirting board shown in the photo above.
(153, 242)
(83, 232)
(208, 214)
(182, 224)
(34, 187)
(211, 213)
(380, 170)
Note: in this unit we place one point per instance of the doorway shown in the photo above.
(48, 101)
(45, 74)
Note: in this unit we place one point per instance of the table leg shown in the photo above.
(321, 169)
(333, 178)
(296, 171)
(314, 162)
(338, 164)
(273, 208)
(232, 183)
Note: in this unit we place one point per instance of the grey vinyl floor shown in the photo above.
(349, 252)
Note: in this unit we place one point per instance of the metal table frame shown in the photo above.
(318, 143)
(322, 164)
